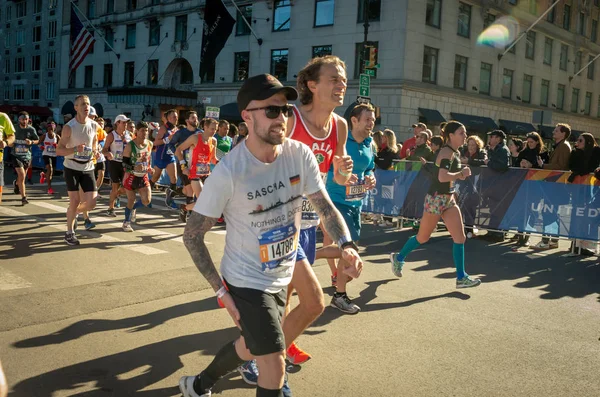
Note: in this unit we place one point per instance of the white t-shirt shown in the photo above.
(262, 206)
(81, 134)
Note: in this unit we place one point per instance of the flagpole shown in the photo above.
(260, 41)
(95, 29)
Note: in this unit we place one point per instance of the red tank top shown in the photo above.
(200, 159)
(323, 148)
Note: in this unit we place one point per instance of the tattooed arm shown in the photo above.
(193, 238)
(331, 217)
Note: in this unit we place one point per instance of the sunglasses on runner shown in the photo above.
(272, 112)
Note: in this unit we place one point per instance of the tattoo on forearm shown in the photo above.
(193, 238)
(330, 216)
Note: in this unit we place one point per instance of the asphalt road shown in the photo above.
(128, 314)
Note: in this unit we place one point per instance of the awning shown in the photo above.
(432, 116)
(574, 135)
(99, 109)
(230, 112)
(152, 96)
(547, 131)
(516, 127)
(475, 123)
(40, 111)
(68, 108)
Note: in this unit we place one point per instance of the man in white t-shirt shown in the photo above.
(258, 188)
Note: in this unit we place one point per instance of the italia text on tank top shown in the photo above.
(81, 134)
(50, 146)
(117, 146)
(200, 157)
(140, 158)
(323, 149)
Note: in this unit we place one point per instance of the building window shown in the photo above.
(52, 29)
(581, 24)
(527, 83)
(324, 12)
(37, 6)
(7, 39)
(108, 75)
(485, 78)
(359, 56)
(433, 13)
(575, 101)
(130, 38)
(110, 6)
(91, 9)
(594, 32)
(7, 93)
(109, 36)
(545, 92)
(36, 63)
(578, 61)
(430, 60)
(8, 13)
(488, 20)
(51, 60)
(242, 66)
(37, 34)
(560, 97)
(35, 92)
(20, 37)
(19, 65)
(548, 51)
(241, 27)
(129, 73)
(567, 17)
(18, 92)
(590, 68)
(530, 45)
(321, 50)
(279, 63)
(88, 79)
(464, 19)
(551, 16)
(181, 28)
(7, 63)
(374, 11)
(587, 106)
(21, 9)
(187, 74)
(50, 90)
(281, 15)
(460, 72)
(152, 72)
(564, 56)
(533, 7)
(131, 5)
(507, 83)
(154, 33)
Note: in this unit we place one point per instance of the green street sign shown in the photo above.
(365, 79)
(370, 72)
(364, 90)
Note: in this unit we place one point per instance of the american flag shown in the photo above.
(81, 41)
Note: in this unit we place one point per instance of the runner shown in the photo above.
(224, 141)
(136, 163)
(78, 145)
(100, 167)
(441, 203)
(25, 136)
(7, 138)
(49, 143)
(178, 138)
(113, 151)
(163, 156)
(202, 147)
(131, 129)
(259, 189)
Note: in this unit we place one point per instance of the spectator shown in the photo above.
(233, 132)
(498, 154)
(388, 151)
(242, 133)
(585, 157)
(429, 134)
(399, 145)
(377, 141)
(436, 144)
(515, 146)
(411, 142)
(473, 154)
(422, 149)
(534, 147)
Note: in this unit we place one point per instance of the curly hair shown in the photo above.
(311, 72)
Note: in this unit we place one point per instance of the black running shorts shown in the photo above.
(50, 160)
(116, 171)
(260, 318)
(185, 180)
(75, 179)
(100, 166)
(20, 163)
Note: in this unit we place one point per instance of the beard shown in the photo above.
(271, 135)
(194, 124)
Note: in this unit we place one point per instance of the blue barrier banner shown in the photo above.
(524, 200)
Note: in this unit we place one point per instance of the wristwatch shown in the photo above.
(350, 244)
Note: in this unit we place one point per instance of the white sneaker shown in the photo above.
(186, 386)
(127, 227)
(344, 304)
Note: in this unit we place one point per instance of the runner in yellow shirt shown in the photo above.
(7, 138)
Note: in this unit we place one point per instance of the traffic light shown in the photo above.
(372, 60)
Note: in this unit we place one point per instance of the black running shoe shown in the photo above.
(183, 214)
(71, 239)
(24, 201)
(15, 187)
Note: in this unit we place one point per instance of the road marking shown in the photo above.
(10, 281)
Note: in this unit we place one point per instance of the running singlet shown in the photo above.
(200, 158)
(6, 129)
(140, 159)
(323, 149)
(21, 149)
(101, 139)
(164, 151)
(224, 145)
(81, 134)
(452, 165)
(118, 144)
(50, 146)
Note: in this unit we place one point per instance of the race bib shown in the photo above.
(356, 192)
(51, 149)
(278, 248)
(118, 156)
(308, 211)
(140, 167)
(202, 169)
(21, 148)
(86, 155)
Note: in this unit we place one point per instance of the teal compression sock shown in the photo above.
(458, 253)
(409, 246)
(138, 204)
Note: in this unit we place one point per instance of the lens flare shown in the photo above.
(500, 34)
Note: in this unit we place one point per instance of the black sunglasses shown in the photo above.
(272, 112)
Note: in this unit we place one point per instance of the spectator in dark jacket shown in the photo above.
(534, 148)
(515, 145)
(498, 154)
(473, 153)
(585, 157)
(388, 150)
(422, 149)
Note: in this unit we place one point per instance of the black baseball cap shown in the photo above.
(261, 87)
(499, 133)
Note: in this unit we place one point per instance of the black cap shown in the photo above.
(499, 133)
(261, 87)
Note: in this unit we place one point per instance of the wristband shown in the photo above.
(182, 162)
(221, 291)
(344, 173)
(166, 140)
